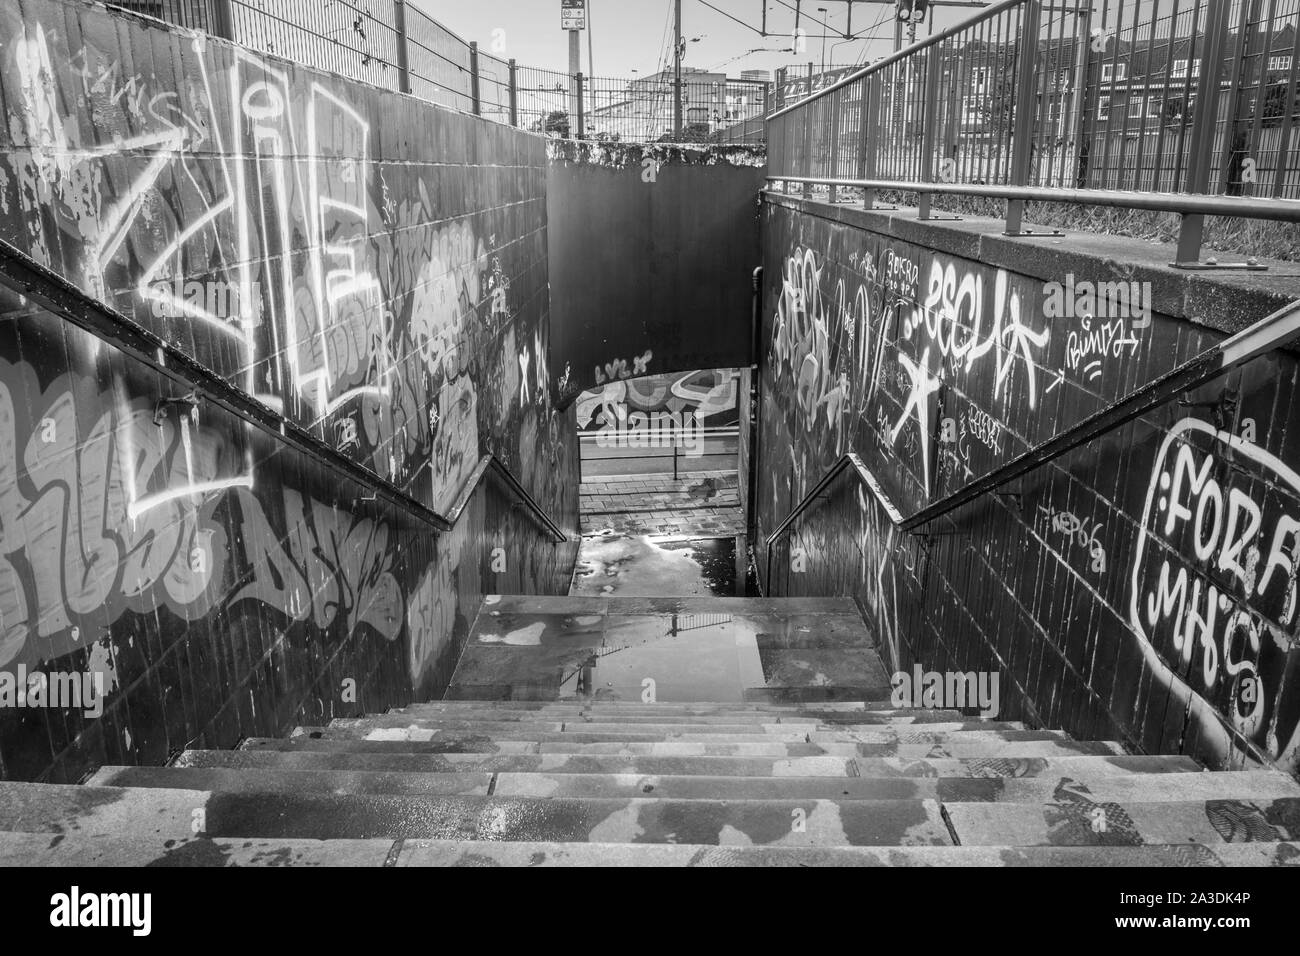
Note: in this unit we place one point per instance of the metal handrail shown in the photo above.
(476, 477)
(1272, 332)
(53, 292)
(902, 54)
(1010, 102)
(1245, 206)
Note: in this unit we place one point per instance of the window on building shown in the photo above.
(1103, 107)
(1279, 64)
(1180, 69)
(1113, 71)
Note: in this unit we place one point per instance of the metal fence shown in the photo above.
(393, 44)
(1176, 105)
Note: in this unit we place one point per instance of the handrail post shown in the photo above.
(474, 94)
(582, 109)
(806, 165)
(836, 115)
(223, 20)
(1022, 130)
(867, 147)
(403, 51)
(514, 93)
(929, 131)
(1204, 124)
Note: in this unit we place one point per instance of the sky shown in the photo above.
(631, 37)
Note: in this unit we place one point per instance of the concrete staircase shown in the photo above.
(785, 771)
(572, 783)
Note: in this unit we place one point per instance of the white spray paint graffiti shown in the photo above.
(1215, 571)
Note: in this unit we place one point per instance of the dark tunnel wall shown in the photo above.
(370, 266)
(653, 250)
(1142, 588)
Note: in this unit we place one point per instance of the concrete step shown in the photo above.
(268, 780)
(736, 718)
(1081, 821)
(353, 756)
(381, 728)
(98, 812)
(464, 746)
(817, 694)
(1137, 787)
(399, 741)
(701, 708)
(953, 748)
(464, 853)
(149, 814)
(672, 729)
(75, 850)
(363, 732)
(349, 816)
(561, 604)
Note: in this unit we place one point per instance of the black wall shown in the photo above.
(652, 250)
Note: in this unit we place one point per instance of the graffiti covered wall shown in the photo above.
(1141, 589)
(369, 266)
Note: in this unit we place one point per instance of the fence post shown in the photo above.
(582, 107)
(474, 94)
(1022, 130)
(870, 120)
(514, 94)
(836, 115)
(403, 54)
(929, 131)
(223, 20)
(1204, 124)
(806, 165)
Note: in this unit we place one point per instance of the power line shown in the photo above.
(747, 26)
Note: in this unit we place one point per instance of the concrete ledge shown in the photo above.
(1226, 301)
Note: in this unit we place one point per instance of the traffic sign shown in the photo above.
(573, 14)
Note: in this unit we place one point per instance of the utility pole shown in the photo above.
(677, 71)
(575, 67)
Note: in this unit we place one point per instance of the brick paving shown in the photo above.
(706, 502)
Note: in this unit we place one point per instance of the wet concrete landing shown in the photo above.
(689, 649)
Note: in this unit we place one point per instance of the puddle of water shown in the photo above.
(619, 565)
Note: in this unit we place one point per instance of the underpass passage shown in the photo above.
(661, 511)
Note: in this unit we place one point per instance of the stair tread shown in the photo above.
(1090, 766)
(733, 719)
(27, 849)
(169, 813)
(986, 748)
(432, 730)
(739, 730)
(561, 604)
(1115, 788)
(875, 705)
(295, 781)
(1084, 821)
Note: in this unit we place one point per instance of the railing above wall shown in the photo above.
(1131, 103)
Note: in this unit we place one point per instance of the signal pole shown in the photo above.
(575, 67)
(677, 71)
